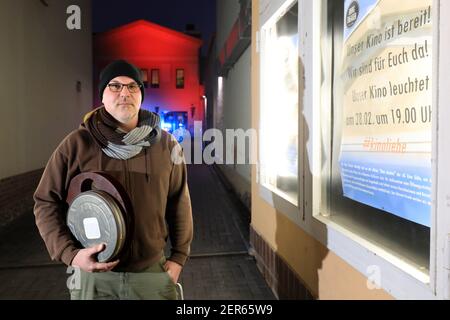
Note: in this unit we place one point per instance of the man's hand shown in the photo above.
(173, 269)
(86, 260)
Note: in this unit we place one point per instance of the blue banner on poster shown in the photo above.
(404, 191)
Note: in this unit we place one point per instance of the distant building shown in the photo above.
(169, 62)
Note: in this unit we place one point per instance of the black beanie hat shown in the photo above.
(116, 69)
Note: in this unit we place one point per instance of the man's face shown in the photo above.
(124, 105)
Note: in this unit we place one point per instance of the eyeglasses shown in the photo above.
(117, 87)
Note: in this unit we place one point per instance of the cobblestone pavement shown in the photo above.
(219, 267)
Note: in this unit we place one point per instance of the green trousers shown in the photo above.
(151, 284)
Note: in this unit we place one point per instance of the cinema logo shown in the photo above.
(352, 14)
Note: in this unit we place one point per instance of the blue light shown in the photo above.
(166, 126)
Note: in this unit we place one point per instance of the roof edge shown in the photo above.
(152, 25)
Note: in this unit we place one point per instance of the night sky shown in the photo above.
(174, 14)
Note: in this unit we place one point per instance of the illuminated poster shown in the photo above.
(385, 157)
(279, 114)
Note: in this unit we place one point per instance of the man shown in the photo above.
(127, 143)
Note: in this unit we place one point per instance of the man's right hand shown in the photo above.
(86, 260)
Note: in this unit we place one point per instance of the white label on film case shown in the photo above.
(91, 228)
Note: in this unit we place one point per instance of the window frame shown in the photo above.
(144, 71)
(158, 73)
(182, 86)
(398, 278)
(267, 192)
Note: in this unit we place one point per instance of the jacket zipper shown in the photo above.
(127, 178)
(128, 186)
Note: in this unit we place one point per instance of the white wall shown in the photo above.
(237, 102)
(235, 112)
(41, 61)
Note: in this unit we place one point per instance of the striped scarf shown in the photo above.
(118, 144)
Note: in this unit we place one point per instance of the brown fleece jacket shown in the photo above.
(156, 186)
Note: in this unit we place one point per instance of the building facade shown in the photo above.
(169, 63)
(350, 200)
(228, 92)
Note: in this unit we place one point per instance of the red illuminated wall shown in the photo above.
(150, 46)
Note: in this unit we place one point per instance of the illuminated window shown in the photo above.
(279, 106)
(180, 78)
(376, 119)
(144, 77)
(155, 78)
